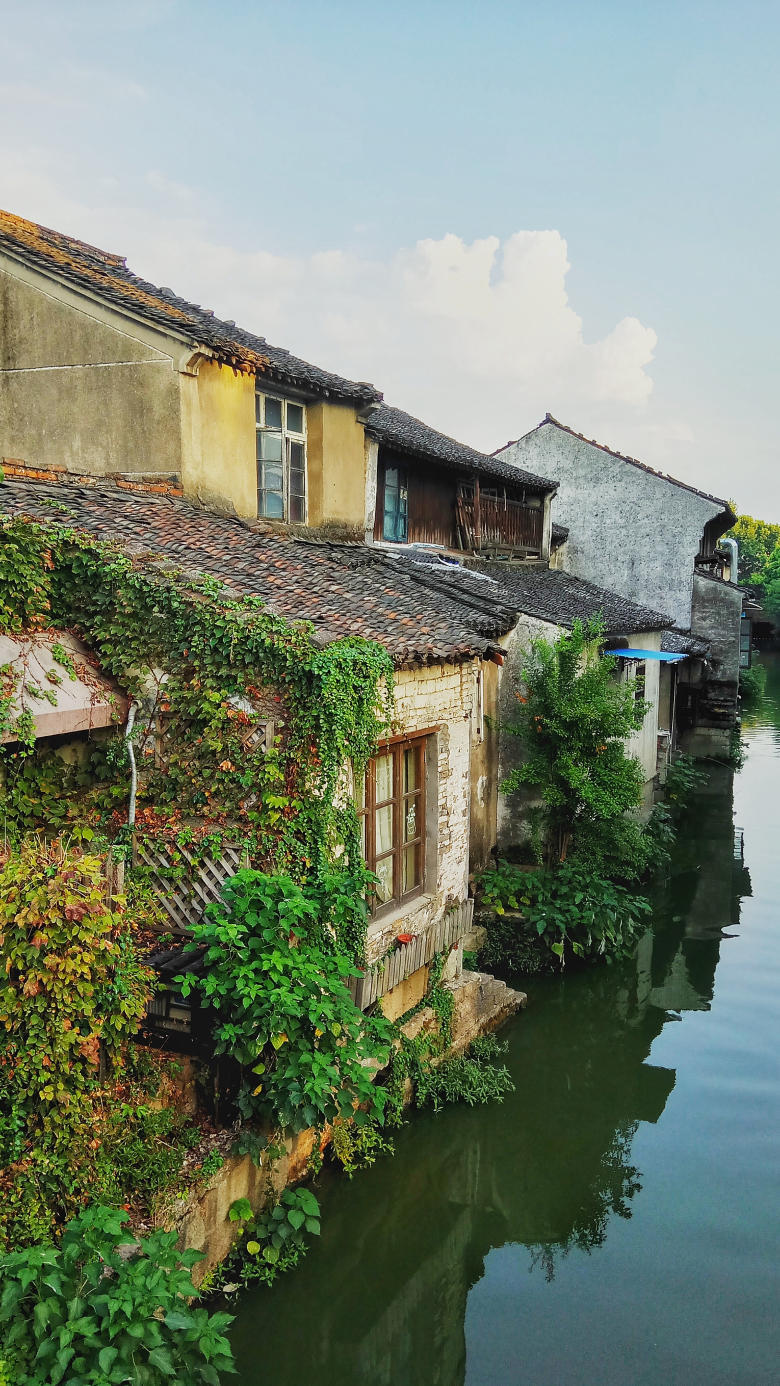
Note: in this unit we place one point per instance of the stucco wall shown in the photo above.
(219, 464)
(629, 531)
(81, 387)
(483, 833)
(436, 696)
(336, 454)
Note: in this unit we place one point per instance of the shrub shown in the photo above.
(568, 912)
(273, 1240)
(283, 1009)
(87, 1315)
(573, 719)
(472, 1077)
(752, 686)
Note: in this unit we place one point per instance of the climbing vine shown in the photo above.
(245, 723)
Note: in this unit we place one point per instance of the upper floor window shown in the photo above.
(395, 523)
(281, 458)
(392, 814)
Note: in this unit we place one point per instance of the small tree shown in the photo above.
(573, 719)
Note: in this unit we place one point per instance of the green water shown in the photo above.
(614, 1221)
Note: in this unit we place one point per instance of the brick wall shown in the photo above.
(437, 696)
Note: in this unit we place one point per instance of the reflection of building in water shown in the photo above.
(384, 1298)
(698, 906)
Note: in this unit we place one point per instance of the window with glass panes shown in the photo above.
(391, 806)
(281, 458)
(395, 520)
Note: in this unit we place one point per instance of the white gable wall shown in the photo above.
(629, 530)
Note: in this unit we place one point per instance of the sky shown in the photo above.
(489, 210)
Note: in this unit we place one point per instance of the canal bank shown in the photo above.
(614, 1220)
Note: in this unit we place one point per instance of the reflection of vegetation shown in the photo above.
(614, 1184)
(752, 685)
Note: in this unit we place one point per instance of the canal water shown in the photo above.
(616, 1219)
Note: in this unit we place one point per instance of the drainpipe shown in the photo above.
(133, 769)
(733, 547)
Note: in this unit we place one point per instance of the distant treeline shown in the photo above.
(759, 559)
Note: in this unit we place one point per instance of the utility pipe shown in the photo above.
(733, 546)
(133, 769)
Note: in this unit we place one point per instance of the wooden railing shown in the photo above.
(408, 958)
(490, 523)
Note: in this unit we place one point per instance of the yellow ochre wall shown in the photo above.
(218, 438)
(336, 454)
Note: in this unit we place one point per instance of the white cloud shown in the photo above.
(478, 338)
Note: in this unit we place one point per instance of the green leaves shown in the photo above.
(139, 1328)
(276, 988)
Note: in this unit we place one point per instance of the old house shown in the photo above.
(543, 602)
(415, 803)
(650, 537)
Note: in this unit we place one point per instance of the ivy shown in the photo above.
(282, 1006)
(208, 670)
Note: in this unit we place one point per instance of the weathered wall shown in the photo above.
(219, 464)
(336, 455)
(512, 815)
(439, 695)
(629, 530)
(483, 833)
(644, 743)
(717, 611)
(81, 387)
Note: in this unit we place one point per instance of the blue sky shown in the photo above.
(490, 210)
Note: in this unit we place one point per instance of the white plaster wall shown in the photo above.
(442, 696)
(644, 743)
(629, 530)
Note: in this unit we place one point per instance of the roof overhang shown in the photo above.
(62, 698)
(664, 656)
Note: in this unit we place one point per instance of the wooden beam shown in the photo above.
(477, 514)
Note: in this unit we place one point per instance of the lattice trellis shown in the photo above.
(397, 966)
(185, 894)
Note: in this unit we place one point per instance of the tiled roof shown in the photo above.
(342, 589)
(107, 276)
(633, 461)
(403, 433)
(682, 642)
(559, 534)
(533, 590)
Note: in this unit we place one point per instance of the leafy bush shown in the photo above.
(273, 1240)
(568, 912)
(573, 720)
(472, 1077)
(283, 1009)
(752, 686)
(84, 1314)
(359, 1147)
(77, 1115)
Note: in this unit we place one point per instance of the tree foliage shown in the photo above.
(758, 540)
(573, 718)
(283, 1008)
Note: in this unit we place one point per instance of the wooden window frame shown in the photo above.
(288, 437)
(396, 748)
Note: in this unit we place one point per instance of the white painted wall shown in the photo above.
(630, 530)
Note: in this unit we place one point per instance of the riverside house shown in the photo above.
(648, 536)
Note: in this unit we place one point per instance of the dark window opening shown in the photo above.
(391, 807)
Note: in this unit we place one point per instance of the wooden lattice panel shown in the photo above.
(397, 966)
(185, 897)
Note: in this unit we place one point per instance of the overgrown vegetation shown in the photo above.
(582, 900)
(573, 717)
(225, 667)
(283, 1009)
(759, 560)
(85, 1314)
(752, 686)
(79, 1115)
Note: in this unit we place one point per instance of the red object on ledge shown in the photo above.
(404, 938)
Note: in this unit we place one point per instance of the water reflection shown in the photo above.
(382, 1299)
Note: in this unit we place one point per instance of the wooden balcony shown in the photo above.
(487, 522)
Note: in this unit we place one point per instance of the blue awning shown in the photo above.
(664, 655)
